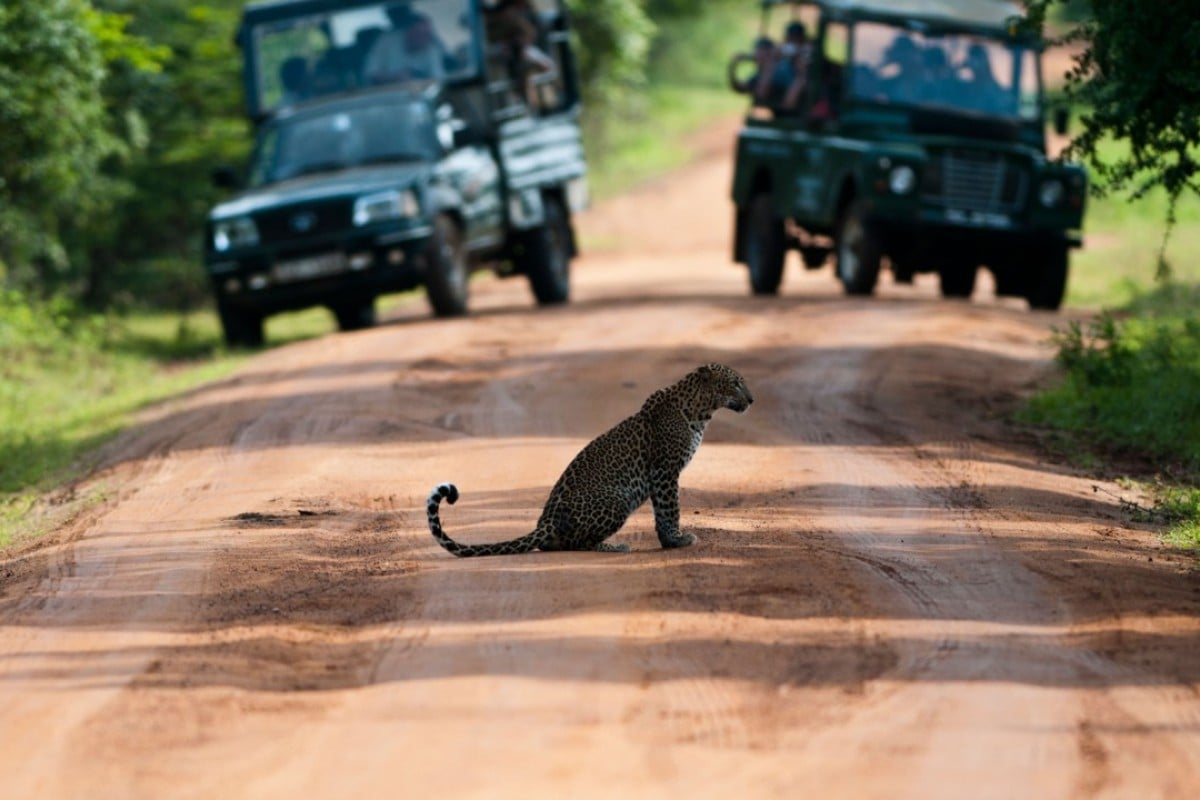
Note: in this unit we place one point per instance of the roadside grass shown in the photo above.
(71, 381)
(68, 386)
(1129, 399)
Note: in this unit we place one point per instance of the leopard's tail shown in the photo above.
(449, 492)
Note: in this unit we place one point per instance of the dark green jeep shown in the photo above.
(902, 132)
(399, 144)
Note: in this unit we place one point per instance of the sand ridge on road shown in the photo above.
(892, 596)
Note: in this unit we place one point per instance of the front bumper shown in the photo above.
(289, 276)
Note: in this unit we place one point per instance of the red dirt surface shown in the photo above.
(893, 595)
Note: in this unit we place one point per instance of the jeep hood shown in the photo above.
(346, 183)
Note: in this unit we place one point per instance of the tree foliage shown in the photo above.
(188, 118)
(1137, 79)
(54, 131)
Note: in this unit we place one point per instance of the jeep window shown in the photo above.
(335, 139)
(959, 72)
(327, 53)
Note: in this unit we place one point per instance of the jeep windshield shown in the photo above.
(951, 72)
(319, 53)
(390, 130)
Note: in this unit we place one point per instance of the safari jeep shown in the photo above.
(379, 169)
(915, 139)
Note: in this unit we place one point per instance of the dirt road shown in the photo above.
(892, 596)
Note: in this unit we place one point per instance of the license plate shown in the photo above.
(302, 269)
(985, 219)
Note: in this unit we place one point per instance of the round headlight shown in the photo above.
(902, 179)
(1051, 193)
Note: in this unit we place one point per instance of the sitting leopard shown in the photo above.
(617, 471)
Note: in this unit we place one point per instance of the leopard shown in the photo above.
(639, 459)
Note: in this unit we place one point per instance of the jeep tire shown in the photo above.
(858, 252)
(241, 328)
(545, 256)
(1047, 280)
(766, 245)
(354, 315)
(446, 271)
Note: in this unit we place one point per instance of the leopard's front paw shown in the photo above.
(678, 540)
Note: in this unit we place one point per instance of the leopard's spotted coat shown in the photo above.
(639, 459)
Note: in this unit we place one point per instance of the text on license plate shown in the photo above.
(311, 267)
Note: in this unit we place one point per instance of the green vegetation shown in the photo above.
(70, 381)
(642, 132)
(1131, 378)
(1139, 81)
(1131, 393)
(1122, 241)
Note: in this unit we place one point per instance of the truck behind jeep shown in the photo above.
(913, 137)
(398, 145)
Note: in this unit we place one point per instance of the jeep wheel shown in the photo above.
(241, 328)
(958, 280)
(858, 252)
(354, 316)
(1047, 281)
(766, 246)
(545, 256)
(446, 269)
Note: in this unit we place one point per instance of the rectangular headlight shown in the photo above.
(392, 204)
(230, 234)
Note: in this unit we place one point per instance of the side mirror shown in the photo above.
(226, 177)
(1061, 117)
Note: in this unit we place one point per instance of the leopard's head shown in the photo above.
(722, 387)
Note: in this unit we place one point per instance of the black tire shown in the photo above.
(858, 252)
(354, 315)
(766, 245)
(1048, 281)
(814, 257)
(447, 273)
(545, 256)
(241, 328)
(958, 281)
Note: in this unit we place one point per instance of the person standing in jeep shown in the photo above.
(404, 151)
(918, 143)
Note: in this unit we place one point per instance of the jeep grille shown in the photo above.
(975, 180)
(303, 222)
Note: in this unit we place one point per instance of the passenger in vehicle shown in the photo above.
(515, 25)
(411, 50)
(986, 93)
(792, 70)
(938, 83)
(293, 74)
(902, 71)
(758, 83)
(327, 77)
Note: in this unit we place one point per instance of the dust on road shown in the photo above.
(892, 596)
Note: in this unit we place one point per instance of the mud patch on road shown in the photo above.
(302, 599)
